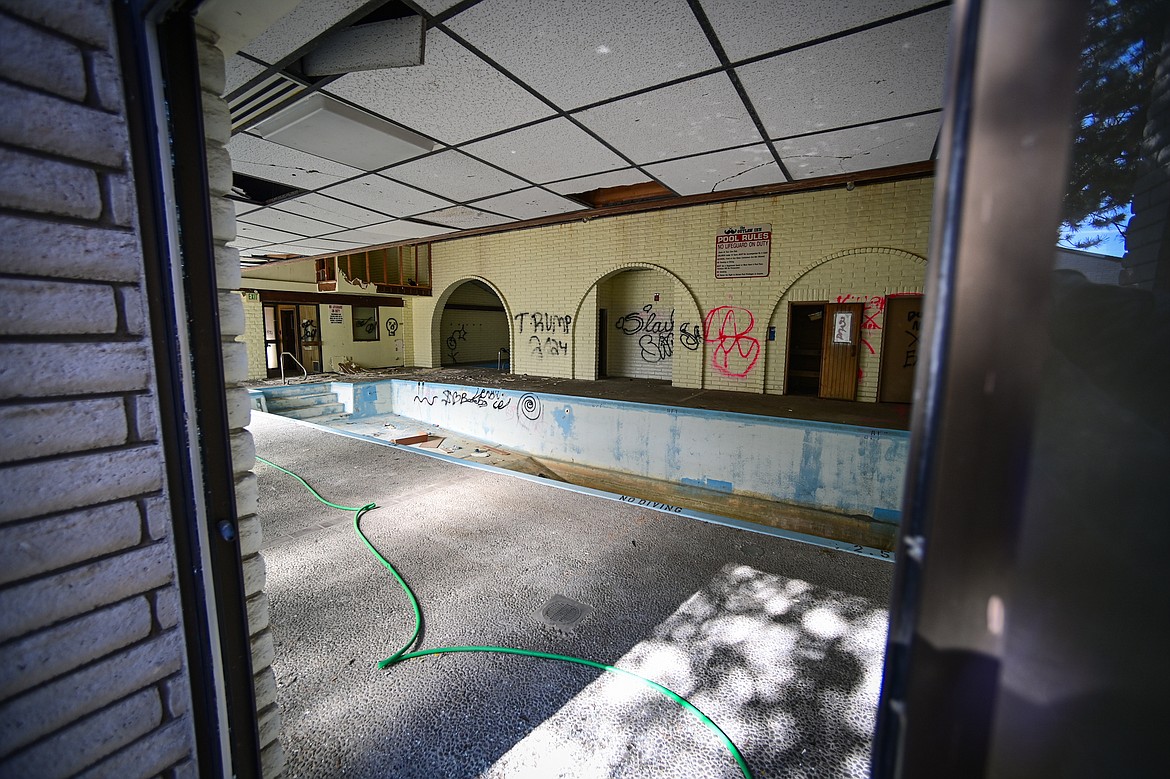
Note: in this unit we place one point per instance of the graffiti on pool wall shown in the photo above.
(457, 335)
(543, 322)
(874, 305)
(735, 352)
(481, 398)
(690, 336)
(655, 335)
(529, 406)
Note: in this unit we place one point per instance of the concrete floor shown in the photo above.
(779, 642)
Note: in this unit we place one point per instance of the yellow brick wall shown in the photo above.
(553, 271)
(641, 331)
(253, 336)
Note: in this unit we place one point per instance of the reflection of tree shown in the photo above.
(1117, 75)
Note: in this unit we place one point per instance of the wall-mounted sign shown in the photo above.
(251, 296)
(335, 314)
(743, 252)
(843, 327)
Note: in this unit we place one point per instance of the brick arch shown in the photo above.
(692, 314)
(847, 253)
(441, 304)
(770, 377)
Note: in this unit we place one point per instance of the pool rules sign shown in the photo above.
(743, 252)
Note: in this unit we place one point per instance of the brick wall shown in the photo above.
(641, 335)
(93, 678)
(234, 322)
(553, 270)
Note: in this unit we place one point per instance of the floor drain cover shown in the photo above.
(563, 614)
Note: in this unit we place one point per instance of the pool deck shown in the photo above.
(893, 416)
(780, 643)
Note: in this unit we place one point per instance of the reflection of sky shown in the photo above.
(1112, 245)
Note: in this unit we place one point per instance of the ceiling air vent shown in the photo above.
(263, 99)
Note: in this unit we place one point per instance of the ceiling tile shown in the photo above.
(747, 28)
(239, 71)
(861, 148)
(617, 178)
(436, 7)
(394, 230)
(893, 70)
(455, 176)
(293, 223)
(751, 166)
(273, 162)
(287, 248)
(243, 208)
(246, 243)
(328, 244)
(529, 204)
(454, 97)
(388, 196)
(696, 116)
(575, 53)
(548, 151)
(266, 234)
(328, 209)
(304, 23)
(464, 218)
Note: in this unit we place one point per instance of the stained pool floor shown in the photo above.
(779, 643)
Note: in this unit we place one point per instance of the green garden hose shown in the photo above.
(402, 654)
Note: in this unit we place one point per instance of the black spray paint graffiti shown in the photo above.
(420, 396)
(549, 346)
(481, 398)
(543, 322)
(690, 336)
(911, 358)
(655, 336)
(391, 326)
(457, 335)
(529, 406)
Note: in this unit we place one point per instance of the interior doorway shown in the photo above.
(841, 336)
(292, 336)
(900, 348)
(806, 324)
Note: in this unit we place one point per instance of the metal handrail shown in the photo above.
(294, 359)
(500, 358)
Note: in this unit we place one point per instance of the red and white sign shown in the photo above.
(743, 252)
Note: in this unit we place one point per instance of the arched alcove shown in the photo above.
(470, 325)
(639, 320)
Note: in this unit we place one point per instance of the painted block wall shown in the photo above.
(840, 468)
(234, 325)
(550, 272)
(641, 337)
(93, 664)
(336, 339)
(471, 334)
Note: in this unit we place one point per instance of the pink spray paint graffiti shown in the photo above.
(736, 352)
(874, 306)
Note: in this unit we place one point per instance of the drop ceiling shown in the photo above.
(522, 103)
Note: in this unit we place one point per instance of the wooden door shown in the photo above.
(900, 348)
(839, 353)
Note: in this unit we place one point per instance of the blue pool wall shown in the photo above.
(841, 468)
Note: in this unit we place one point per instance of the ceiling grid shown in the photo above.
(700, 96)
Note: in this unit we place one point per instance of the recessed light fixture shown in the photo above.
(328, 128)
